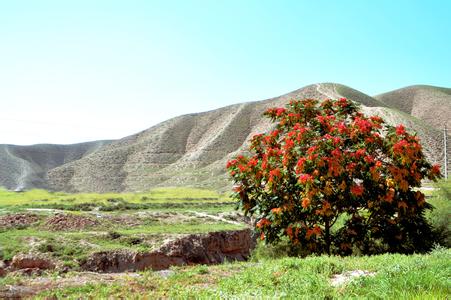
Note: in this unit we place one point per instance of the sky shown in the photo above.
(76, 71)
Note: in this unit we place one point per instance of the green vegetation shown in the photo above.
(136, 221)
(440, 216)
(158, 195)
(395, 277)
(270, 273)
(71, 246)
(159, 199)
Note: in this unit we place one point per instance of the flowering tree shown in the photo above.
(334, 181)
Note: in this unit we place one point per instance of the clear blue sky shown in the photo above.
(72, 71)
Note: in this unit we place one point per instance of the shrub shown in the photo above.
(439, 216)
(325, 162)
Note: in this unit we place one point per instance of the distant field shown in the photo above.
(160, 199)
(161, 195)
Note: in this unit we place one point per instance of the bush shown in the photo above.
(327, 162)
(439, 216)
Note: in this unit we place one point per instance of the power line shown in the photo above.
(445, 137)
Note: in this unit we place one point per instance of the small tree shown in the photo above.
(335, 181)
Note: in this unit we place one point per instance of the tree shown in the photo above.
(332, 180)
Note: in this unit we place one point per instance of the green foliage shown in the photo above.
(327, 163)
(281, 249)
(439, 217)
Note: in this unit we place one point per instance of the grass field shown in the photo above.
(160, 199)
(134, 221)
(158, 195)
(143, 221)
(393, 276)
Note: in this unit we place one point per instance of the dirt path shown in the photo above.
(45, 210)
(216, 218)
(324, 92)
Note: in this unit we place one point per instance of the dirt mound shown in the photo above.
(211, 248)
(61, 222)
(128, 220)
(17, 220)
(31, 261)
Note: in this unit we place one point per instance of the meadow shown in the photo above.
(143, 221)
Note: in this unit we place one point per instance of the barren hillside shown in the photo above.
(428, 103)
(26, 166)
(191, 150)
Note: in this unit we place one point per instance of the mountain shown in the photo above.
(192, 150)
(27, 166)
(428, 103)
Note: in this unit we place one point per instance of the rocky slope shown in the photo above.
(192, 150)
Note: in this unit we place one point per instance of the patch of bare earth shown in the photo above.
(141, 218)
(18, 220)
(346, 277)
(210, 248)
(61, 222)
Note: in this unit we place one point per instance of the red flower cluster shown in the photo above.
(357, 190)
(400, 130)
(305, 178)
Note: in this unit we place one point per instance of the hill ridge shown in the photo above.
(191, 149)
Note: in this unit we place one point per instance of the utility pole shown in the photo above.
(445, 136)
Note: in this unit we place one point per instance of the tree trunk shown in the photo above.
(327, 235)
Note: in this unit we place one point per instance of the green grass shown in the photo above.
(158, 195)
(14, 241)
(397, 277)
(177, 199)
